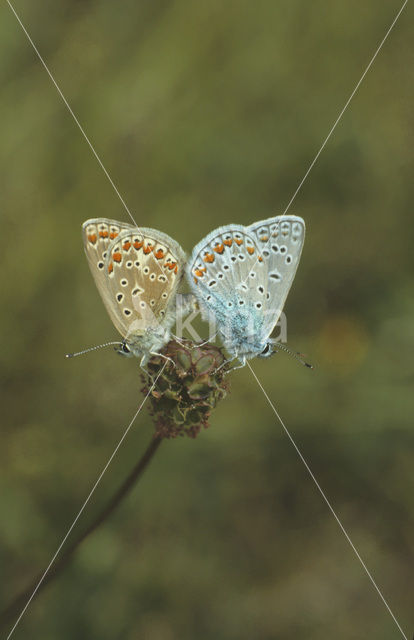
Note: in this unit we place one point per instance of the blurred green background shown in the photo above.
(205, 114)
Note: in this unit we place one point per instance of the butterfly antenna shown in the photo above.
(295, 354)
(99, 346)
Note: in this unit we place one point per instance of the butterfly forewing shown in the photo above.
(98, 234)
(281, 241)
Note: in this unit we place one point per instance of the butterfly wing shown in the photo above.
(242, 275)
(224, 269)
(143, 269)
(280, 240)
(98, 234)
(223, 260)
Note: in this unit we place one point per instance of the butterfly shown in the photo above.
(137, 272)
(242, 276)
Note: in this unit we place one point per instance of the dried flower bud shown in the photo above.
(188, 388)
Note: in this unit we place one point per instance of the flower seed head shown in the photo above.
(188, 389)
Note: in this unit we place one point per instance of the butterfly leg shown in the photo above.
(227, 362)
(161, 355)
(143, 362)
(201, 344)
(196, 344)
(240, 366)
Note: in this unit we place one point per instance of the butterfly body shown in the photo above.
(137, 272)
(241, 331)
(241, 276)
(150, 340)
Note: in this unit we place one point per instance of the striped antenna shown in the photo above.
(295, 354)
(99, 346)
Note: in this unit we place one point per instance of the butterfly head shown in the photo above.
(124, 350)
(268, 351)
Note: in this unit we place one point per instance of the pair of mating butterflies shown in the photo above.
(239, 275)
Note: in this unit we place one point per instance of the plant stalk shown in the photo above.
(19, 602)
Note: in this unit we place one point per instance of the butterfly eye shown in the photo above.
(124, 350)
(267, 351)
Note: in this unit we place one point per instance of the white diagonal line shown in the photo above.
(267, 397)
(345, 107)
(72, 113)
(78, 124)
(83, 507)
(358, 84)
(327, 502)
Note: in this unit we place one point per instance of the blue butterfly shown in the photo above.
(242, 276)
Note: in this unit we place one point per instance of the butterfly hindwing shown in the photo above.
(136, 270)
(224, 262)
(224, 272)
(143, 269)
(242, 275)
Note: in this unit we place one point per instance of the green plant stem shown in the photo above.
(17, 604)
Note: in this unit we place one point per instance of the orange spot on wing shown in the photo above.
(171, 266)
(228, 242)
(110, 267)
(238, 241)
(116, 256)
(147, 249)
(209, 258)
(260, 259)
(159, 254)
(219, 248)
(199, 272)
(92, 238)
(113, 235)
(250, 250)
(138, 244)
(103, 234)
(176, 269)
(126, 245)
